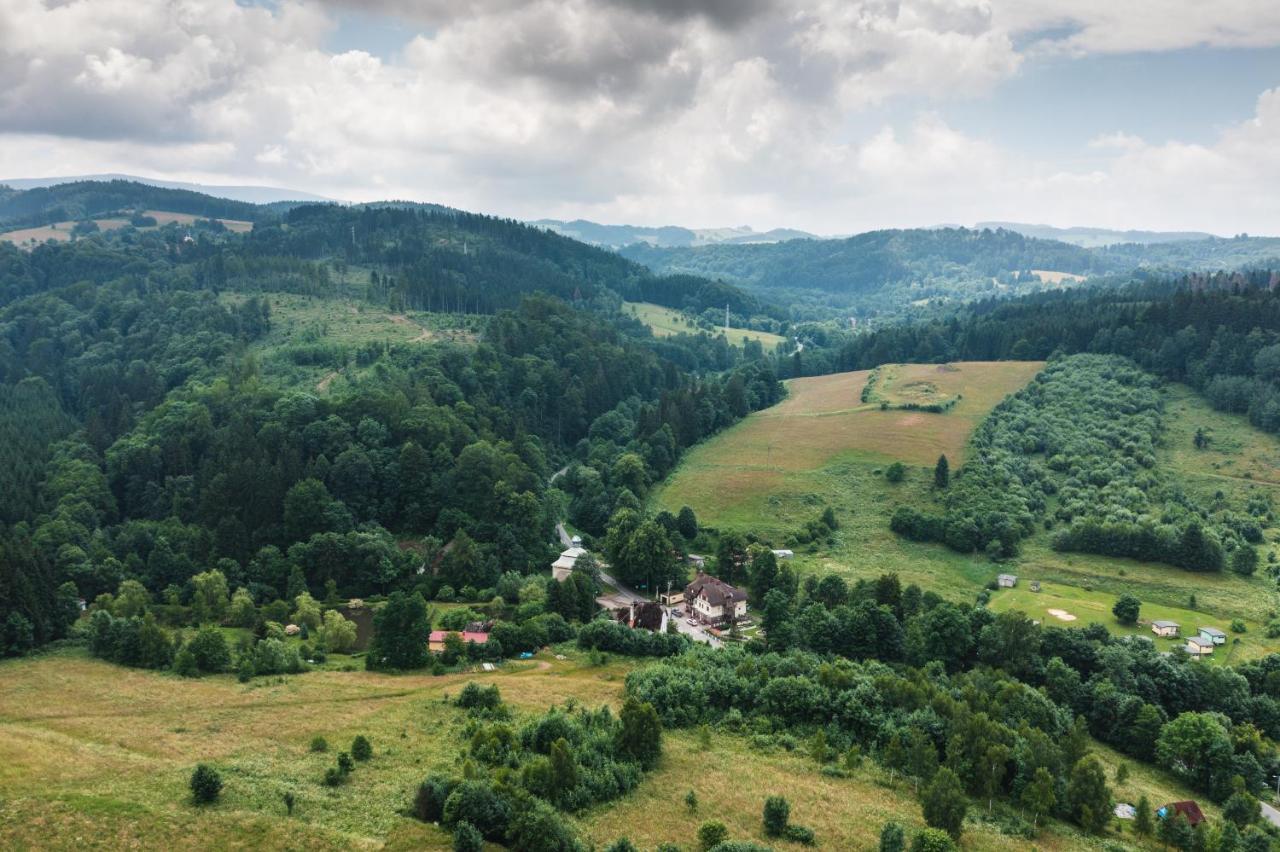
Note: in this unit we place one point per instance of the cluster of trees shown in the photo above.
(1082, 437)
(1003, 705)
(517, 782)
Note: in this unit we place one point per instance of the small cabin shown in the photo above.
(1214, 635)
(1198, 647)
(1007, 581)
(696, 560)
(1164, 628)
(784, 554)
(671, 598)
(1187, 808)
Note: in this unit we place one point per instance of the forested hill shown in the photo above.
(1218, 332)
(87, 199)
(434, 258)
(142, 439)
(871, 261)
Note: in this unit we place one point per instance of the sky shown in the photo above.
(834, 116)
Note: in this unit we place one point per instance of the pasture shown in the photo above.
(664, 322)
(1048, 276)
(97, 756)
(778, 469)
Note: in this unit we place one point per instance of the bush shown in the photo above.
(466, 838)
(777, 813)
(333, 776)
(476, 697)
(1237, 626)
(345, 764)
(428, 802)
(476, 802)
(933, 840)
(799, 834)
(896, 472)
(711, 834)
(206, 785)
(319, 744)
(360, 748)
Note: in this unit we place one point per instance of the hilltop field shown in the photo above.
(93, 755)
(61, 231)
(823, 446)
(664, 322)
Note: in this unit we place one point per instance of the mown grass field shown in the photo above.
(61, 231)
(665, 322)
(821, 447)
(97, 756)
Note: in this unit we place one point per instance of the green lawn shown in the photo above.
(665, 322)
(93, 755)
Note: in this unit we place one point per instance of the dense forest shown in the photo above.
(143, 444)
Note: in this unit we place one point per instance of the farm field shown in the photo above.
(1048, 276)
(61, 231)
(665, 322)
(97, 756)
(820, 447)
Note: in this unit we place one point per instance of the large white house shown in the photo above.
(563, 567)
(713, 601)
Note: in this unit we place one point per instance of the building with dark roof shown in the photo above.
(713, 601)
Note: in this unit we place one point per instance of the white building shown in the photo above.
(563, 567)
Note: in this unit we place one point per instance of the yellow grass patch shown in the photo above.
(61, 231)
(1048, 276)
(771, 455)
(664, 322)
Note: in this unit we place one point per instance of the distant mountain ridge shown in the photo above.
(1087, 237)
(248, 193)
(667, 236)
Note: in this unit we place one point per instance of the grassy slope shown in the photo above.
(665, 322)
(777, 469)
(822, 446)
(96, 756)
(348, 322)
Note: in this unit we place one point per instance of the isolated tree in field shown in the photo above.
(777, 813)
(1088, 797)
(290, 801)
(1039, 797)
(1201, 439)
(687, 523)
(361, 748)
(944, 803)
(400, 632)
(640, 736)
(1142, 825)
(206, 785)
(942, 472)
(893, 838)
(1126, 609)
(895, 473)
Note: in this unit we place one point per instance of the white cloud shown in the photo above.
(698, 113)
